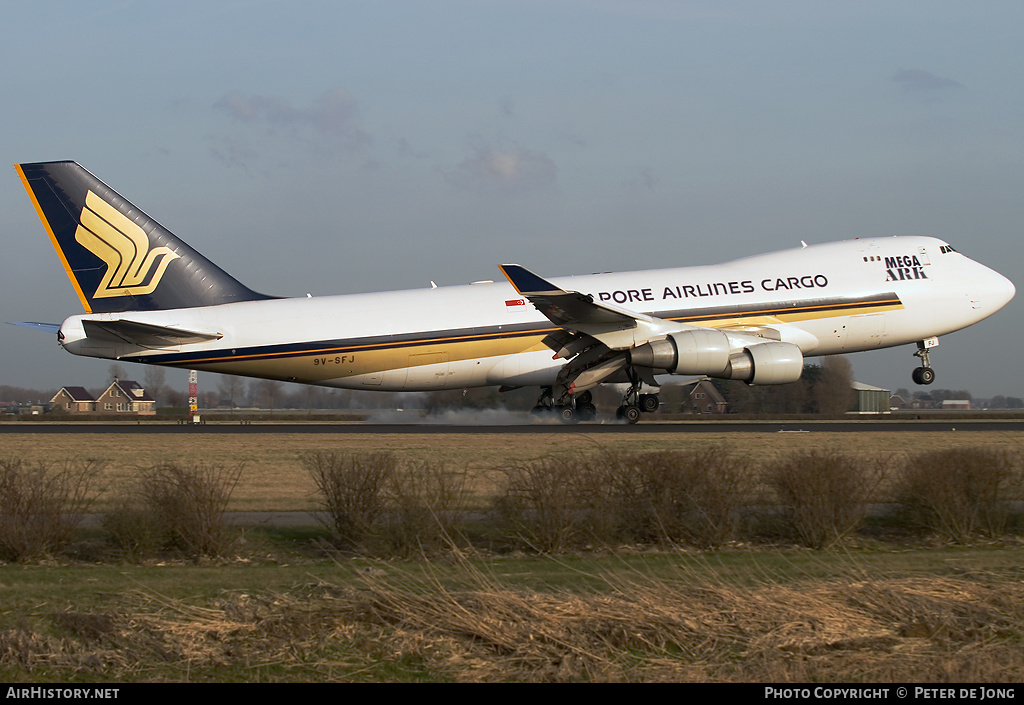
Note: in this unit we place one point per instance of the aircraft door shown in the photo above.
(428, 370)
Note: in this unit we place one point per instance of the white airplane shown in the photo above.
(150, 298)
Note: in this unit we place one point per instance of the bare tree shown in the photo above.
(267, 391)
(155, 382)
(231, 388)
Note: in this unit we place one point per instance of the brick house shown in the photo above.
(125, 396)
(704, 398)
(72, 400)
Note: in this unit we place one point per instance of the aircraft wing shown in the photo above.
(617, 328)
(567, 309)
(144, 335)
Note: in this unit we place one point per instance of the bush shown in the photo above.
(693, 497)
(673, 496)
(176, 507)
(368, 498)
(825, 493)
(133, 528)
(557, 502)
(960, 493)
(548, 503)
(41, 505)
(423, 505)
(352, 488)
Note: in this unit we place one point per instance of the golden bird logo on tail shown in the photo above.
(132, 268)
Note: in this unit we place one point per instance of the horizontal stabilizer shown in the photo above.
(145, 335)
(45, 327)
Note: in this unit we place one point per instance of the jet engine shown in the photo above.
(709, 352)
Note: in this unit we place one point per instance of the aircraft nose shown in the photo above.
(994, 291)
(1003, 290)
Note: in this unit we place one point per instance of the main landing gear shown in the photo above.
(581, 408)
(924, 374)
(634, 405)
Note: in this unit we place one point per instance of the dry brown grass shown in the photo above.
(392, 626)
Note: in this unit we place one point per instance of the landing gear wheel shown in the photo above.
(630, 414)
(649, 403)
(586, 412)
(584, 399)
(923, 375)
(567, 415)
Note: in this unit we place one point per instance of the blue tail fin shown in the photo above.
(117, 257)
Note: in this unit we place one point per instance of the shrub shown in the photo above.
(548, 503)
(556, 502)
(41, 505)
(825, 493)
(352, 488)
(695, 496)
(674, 496)
(424, 500)
(133, 528)
(960, 493)
(175, 507)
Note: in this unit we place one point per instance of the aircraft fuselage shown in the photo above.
(826, 299)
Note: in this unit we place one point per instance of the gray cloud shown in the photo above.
(233, 153)
(914, 80)
(643, 180)
(511, 170)
(506, 107)
(334, 114)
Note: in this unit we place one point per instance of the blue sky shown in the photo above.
(339, 147)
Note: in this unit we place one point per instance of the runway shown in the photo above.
(670, 427)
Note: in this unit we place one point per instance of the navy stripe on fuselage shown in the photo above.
(822, 307)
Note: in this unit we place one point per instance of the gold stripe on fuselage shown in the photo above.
(335, 363)
(325, 363)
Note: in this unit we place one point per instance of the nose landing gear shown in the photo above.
(924, 374)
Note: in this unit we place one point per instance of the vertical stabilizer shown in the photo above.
(117, 257)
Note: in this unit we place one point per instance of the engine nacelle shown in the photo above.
(709, 352)
(767, 363)
(689, 352)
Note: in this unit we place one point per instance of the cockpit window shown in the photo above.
(947, 248)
